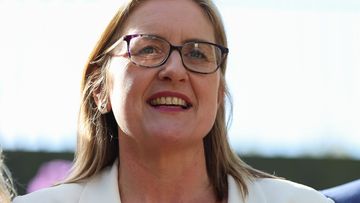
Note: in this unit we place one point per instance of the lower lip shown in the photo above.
(169, 108)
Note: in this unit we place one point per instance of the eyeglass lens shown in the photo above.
(150, 51)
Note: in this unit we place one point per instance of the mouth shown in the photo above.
(167, 101)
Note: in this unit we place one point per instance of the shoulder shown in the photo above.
(263, 190)
(101, 187)
(349, 192)
(279, 190)
(69, 193)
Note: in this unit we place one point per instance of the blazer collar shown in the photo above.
(235, 195)
(103, 188)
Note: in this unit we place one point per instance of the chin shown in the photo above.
(171, 136)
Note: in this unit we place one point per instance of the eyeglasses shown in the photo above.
(151, 51)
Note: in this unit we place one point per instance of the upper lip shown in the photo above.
(170, 94)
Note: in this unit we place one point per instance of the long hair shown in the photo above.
(7, 191)
(96, 148)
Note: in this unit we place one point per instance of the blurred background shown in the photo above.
(293, 72)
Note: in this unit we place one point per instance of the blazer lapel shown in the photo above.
(255, 194)
(102, 188)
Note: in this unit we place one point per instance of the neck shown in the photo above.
(157, 174)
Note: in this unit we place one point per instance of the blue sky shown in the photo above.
(293, 71)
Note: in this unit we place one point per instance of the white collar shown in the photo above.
(103, 188)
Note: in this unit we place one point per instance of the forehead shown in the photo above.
(175, 20)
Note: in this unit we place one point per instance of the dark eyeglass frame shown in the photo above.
(128, 38)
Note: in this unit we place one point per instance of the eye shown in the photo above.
(148, 50)
(196, 54)
(197, 51)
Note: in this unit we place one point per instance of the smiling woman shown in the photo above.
(152, 120)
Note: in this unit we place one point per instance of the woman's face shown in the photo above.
(134, 90)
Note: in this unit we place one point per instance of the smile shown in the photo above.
(169, 101)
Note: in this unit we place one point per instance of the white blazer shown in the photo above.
(103, 188)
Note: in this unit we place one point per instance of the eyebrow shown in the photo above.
(182, 42)
(196, 40)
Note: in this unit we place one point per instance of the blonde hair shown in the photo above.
(7, 191)
(95, 147)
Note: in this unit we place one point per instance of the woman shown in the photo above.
(152, 121)
(6, 184)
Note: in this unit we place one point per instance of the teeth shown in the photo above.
(168, 101)
(175, 100)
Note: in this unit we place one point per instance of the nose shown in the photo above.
(173, 69)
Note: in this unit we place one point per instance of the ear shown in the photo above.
(103, 104)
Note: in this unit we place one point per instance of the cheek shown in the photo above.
(212, 104)
(122, 86)
(123, 102)
(127, 87)
(210, 91)
(120, 92)
(207, 92)
(116, 83)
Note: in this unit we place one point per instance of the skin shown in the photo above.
(161, 149)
